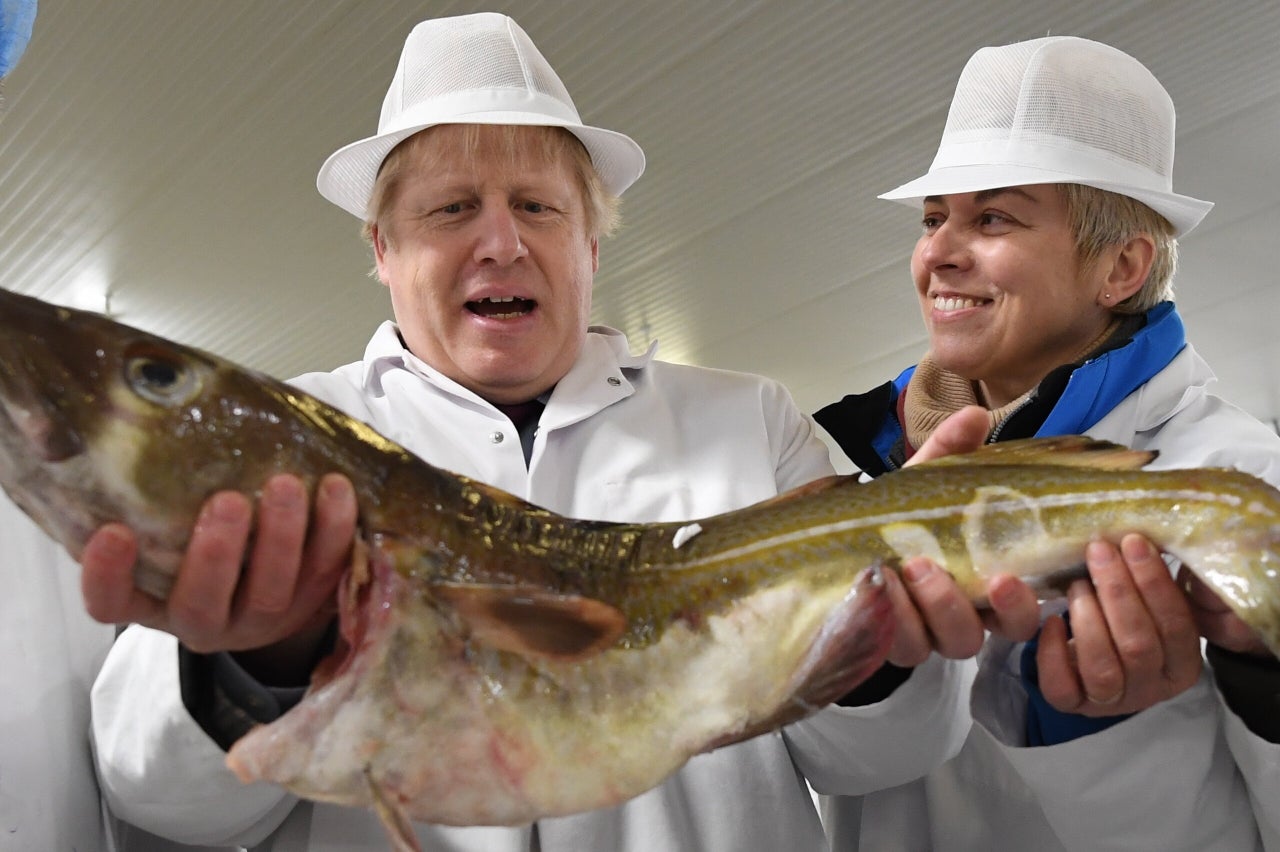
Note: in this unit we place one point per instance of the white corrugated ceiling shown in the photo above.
(165, 153)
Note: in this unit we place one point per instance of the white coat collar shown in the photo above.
(599, 377)
(1185, 379)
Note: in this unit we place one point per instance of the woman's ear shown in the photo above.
(1130, 264)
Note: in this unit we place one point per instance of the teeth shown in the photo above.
(943, 303)
(514, 301)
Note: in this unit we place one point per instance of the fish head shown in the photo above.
(103, 422)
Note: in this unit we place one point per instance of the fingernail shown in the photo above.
(1099, 551)
(224, 507)
(1079, 589)
(284, 491)
(1135, 547)
(1003, 595)
(916, 570)
(336, 488)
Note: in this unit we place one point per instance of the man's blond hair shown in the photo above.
(553, 143)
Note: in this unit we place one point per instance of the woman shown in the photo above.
(1043, 272)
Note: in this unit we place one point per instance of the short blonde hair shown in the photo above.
(552, 143)
(1100, 219)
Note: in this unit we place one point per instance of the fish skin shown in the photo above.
(501, 663)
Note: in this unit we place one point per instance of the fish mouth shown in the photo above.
(501, 307)
(35, 417)
(30, 413)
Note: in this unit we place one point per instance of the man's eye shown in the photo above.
(533, 207)
(456, 207)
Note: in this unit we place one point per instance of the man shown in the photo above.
(484, 198)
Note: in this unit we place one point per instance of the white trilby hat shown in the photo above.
(1059, 110)
(471, 69)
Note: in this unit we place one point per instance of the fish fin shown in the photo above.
(1062, 450)
(399, 830)
(851, 647)
(535, 622)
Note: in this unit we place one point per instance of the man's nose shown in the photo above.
(498, 237)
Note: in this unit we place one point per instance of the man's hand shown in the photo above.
(241, 585)
(1134, 641)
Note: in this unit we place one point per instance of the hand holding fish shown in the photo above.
(241, 585)
(1133, 640)
(933, 613)
(479, 613)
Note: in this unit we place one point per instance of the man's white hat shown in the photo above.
(1059, 110)
(471, 69)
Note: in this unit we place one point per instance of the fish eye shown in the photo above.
(161, 379)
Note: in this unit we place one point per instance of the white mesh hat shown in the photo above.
(471, 69)
(1059, 110)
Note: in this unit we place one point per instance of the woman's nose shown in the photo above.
(943, 247)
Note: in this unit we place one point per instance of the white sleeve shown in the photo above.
(852, 751)
(157, 767)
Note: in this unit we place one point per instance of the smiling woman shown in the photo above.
(1043, 274)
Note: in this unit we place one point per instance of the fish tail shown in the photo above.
(1236, 548)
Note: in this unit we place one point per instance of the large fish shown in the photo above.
(501, 663)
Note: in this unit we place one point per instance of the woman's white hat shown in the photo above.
(1059, 110)
(471, 69)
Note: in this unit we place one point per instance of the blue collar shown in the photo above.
(1098, 385)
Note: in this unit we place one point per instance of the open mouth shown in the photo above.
(502, 307)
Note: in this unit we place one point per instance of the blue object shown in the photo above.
(16, 19)
(1045, 725)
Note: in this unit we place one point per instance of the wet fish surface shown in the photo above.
(499, 662)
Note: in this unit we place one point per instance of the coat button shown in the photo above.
(614, 380)
(497, 437)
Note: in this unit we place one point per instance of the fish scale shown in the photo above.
(500, 663)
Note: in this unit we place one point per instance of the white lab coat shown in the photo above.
(1163, 779)
(621, 438)
(52, 651)
(49, 798)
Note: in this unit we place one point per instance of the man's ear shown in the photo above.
(1130, 266)
(379, 240)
